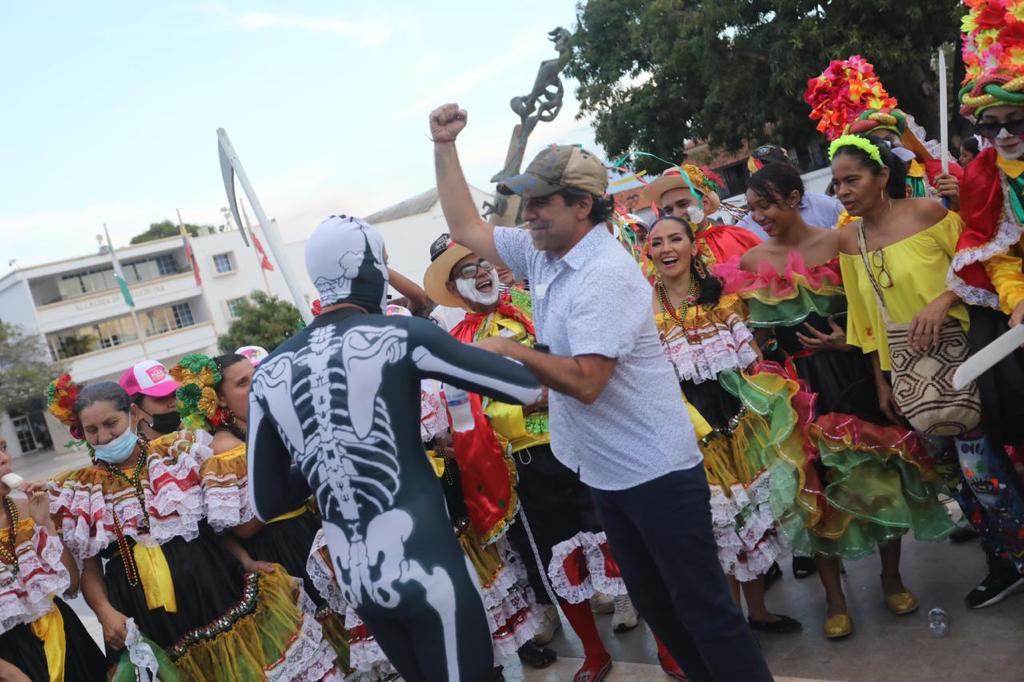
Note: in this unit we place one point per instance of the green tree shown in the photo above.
(656, 73)
(165, 229)
(25, 369)
(262, 320)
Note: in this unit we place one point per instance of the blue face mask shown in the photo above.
(119, 449)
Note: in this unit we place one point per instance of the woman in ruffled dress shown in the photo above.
(743, 417)
(864, 481)
(135, 521)
(41, 638)
(213, 396)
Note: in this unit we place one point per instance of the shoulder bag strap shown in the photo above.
(863, 246)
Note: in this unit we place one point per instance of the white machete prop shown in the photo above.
(987, 357)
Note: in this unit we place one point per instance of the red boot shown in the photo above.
(594, 669)
(596, 662)
(668, 664)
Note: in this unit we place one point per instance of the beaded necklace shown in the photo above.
(131, 569)
(679, 317)
(9, 548)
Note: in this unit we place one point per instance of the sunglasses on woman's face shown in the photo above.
(990, 129)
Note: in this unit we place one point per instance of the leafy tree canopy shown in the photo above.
(163, 230)
(263, 320)
(656, 73)
(25, 369)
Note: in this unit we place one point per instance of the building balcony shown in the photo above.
(107, 304)
(110, 362)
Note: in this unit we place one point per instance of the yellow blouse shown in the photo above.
(917, 266)
(1006, 270)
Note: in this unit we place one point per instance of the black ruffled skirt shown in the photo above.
(208, 582)
(83, 660)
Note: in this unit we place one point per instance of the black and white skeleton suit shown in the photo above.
(341, 401)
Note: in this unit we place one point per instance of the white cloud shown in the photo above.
(367, 32)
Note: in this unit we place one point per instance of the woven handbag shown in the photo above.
(922, 381)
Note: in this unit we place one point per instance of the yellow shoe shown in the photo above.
(901, 603)
(838, 626)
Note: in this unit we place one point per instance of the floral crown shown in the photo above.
(861, 143)
(993, 52)
(704, 178)
(61, 395)
(198, 404)
(843, 92)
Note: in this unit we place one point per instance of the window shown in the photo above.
(182, 315)
(222, 263)
(233, 305)
(166, 265)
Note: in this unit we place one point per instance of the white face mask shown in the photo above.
(467, 289)
(903, 154)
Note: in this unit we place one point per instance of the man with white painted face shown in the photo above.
(616, 413)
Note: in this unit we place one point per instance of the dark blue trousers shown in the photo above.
(660, 535)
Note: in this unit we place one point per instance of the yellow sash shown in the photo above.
(49, 629)
(289, 515)
(155, 575)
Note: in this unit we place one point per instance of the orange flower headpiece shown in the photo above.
(993, 51)
(844, 91)
(198, 404)
(60, 400)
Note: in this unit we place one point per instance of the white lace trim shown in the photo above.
(509, 604)
(227, 506)
(366, 656)
(141, 654)
(1008, 234)
(28, 596)
(175, 506)
(322, 576)
(744, 529)
(594, 577)
(729, 348)
(310, 658)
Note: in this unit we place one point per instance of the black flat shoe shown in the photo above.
(773, 574)
(963, 534)
(783, 626)
(536, 656)
(804, 566)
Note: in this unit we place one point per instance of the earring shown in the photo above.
(700, 267)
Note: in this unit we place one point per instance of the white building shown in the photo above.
(76, 307)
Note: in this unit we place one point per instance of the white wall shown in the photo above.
(16, 305)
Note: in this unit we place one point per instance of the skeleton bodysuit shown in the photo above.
(341, 400)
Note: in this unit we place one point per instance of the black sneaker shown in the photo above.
(1002, 581)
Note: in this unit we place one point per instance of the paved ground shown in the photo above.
(981, 645)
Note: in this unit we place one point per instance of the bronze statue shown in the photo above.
(542, 104)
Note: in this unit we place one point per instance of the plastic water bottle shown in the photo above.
(938, 622)
(459, 408)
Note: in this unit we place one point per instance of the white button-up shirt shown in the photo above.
(595, 301)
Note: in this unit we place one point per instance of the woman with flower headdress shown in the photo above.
(41, 637)
(848, 97)
(864, 481)
(987, 272)
(214, 397)
(135, 521)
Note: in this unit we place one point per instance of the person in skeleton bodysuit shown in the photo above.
(341, 399)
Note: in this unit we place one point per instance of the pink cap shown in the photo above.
(150, 378)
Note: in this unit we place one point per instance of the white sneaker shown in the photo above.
(550, 623)
(626, 617)
(602, 604)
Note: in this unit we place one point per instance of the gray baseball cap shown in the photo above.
(558, 167)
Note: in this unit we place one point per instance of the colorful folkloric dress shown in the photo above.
(286, 540)
(864, 481)
(165, 568)
(750, 421)
(39, 633)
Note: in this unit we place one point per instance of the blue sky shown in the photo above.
(110, 109)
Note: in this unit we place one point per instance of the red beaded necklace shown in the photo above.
(679, 317)
(131, 569)
(9, 548)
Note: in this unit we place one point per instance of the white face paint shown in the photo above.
(1008, 146)
(695, 213)
(467, 289)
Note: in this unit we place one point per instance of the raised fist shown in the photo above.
(446, 122)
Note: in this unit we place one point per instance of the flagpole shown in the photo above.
(259, 258)
(230, 157)
(131, 308)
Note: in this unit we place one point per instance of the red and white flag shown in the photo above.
(264, 260)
